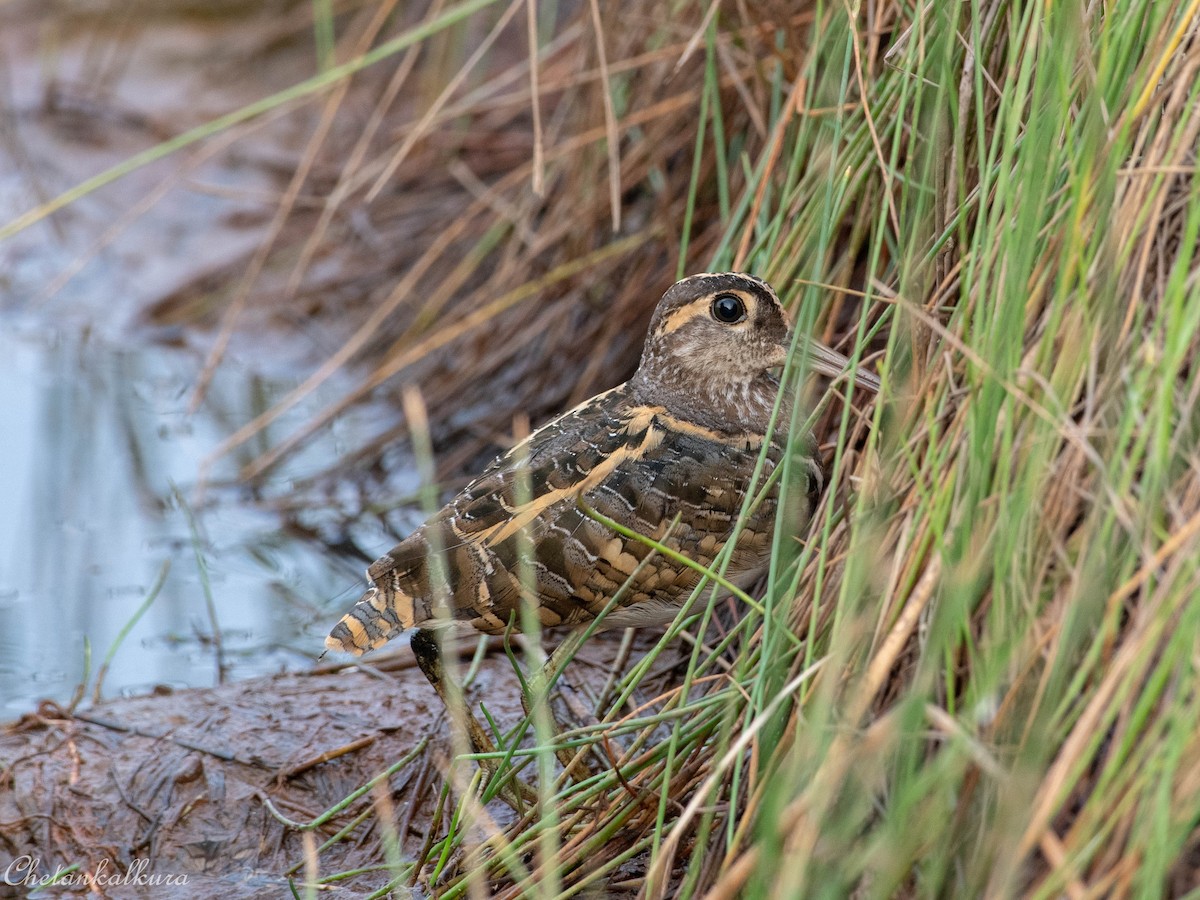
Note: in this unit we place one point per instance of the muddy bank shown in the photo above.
(181, 784)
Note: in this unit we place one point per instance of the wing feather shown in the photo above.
(518, 530)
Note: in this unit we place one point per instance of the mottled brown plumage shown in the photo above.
(681, 438)
(670, 454)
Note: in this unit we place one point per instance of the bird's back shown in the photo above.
(523, 528)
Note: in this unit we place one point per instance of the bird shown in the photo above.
(669, 457)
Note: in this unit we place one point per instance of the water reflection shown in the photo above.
(95, 440)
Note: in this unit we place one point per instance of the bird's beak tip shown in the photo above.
(823, 360)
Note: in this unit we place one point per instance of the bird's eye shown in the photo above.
(728, 309)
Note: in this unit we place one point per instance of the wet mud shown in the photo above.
(193, 785)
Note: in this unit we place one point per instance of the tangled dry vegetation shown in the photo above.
(976, 676)
(491, 250)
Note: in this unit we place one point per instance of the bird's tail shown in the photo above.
(375, 619)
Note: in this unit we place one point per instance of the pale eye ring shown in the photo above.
(728, 309)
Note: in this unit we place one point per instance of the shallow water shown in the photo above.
(98, 459)
(98, 454)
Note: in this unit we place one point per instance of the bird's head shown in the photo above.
(719, 335)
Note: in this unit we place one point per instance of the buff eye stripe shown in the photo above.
(680, 317)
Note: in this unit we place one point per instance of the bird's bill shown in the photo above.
(825, 361)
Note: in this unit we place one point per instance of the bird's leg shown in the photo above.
(538, 690)
(428, 653)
